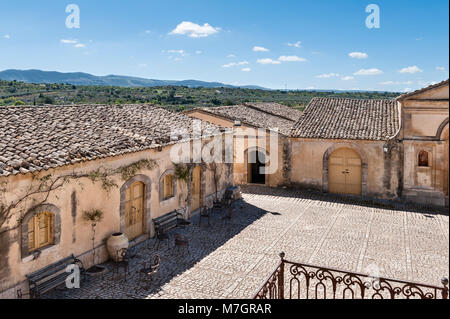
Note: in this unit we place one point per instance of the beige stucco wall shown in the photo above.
(246, 141)
(382, 170)
(75, 232)
(247, 138)
(424, 126)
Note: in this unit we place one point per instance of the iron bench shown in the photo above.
(51, 276)
(164, 223)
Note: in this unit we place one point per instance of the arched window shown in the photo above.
(423, 159)
(168, 187)
(40, 231)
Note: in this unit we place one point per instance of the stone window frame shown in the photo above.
(364, 166)
(147, 200)
(428, 161)
(429, 150)
(161, 185)
(43, 208)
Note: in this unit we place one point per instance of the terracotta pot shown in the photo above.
(116, 242)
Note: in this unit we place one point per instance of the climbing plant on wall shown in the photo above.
(41, 187)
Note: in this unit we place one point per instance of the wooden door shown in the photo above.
(196, 188)
(345, 172)
(134, 210)
(446, 166)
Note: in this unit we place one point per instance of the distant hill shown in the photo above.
(79, 78)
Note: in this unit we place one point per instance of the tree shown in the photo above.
(94, 217)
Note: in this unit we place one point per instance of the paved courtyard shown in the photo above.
(231, 259)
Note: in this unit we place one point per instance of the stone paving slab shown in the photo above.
(232, 259)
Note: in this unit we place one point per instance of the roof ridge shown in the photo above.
(429, 87)
(267, 112)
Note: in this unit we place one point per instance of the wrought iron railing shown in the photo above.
(292, 280)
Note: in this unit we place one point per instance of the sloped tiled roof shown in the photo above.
(252, 116)
(430, 87)
(34, 138)
(277, 109)
(352, 119)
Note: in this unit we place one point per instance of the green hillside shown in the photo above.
(173, 97)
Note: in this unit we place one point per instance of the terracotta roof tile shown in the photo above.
(34, 138)
(277, 109)
(353, 119)
(253, 116)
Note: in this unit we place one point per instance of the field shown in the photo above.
(176, 98)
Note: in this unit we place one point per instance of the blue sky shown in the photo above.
(303, 44)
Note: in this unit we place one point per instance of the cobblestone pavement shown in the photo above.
(231, 259)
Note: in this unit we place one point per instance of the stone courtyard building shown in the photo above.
(116, 159)
(57, 162)
(384, 149)
(424, 136)
(254, 124)
(348, 146)
(378, 149)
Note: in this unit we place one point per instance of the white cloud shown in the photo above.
(296, 44)
(194, 30)
(372, 71)
(66, 41)
(142, 65)
(327, 75)
(260, 49)
(198, 52)
(441, 68)
(180, 52)
(396, 83)
(348, 78)
(75, 43)
(292, 58)
(231, 56)
(148, 31)
(268, 61)
(7, 36)
(246, 70)
(411, 69)
(229, 65)
(358, 55)
(406, 90)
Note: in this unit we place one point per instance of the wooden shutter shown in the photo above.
(168, 186)
(40, 231)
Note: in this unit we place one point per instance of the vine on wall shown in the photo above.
(45, 185)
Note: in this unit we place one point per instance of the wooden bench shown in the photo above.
(51, 276)
(165, 223)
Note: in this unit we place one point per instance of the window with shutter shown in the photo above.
(168, 187)
(40, 231)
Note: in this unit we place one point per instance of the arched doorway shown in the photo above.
(345, 172)
(134, 210)
(255, 167)
(196, 188)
